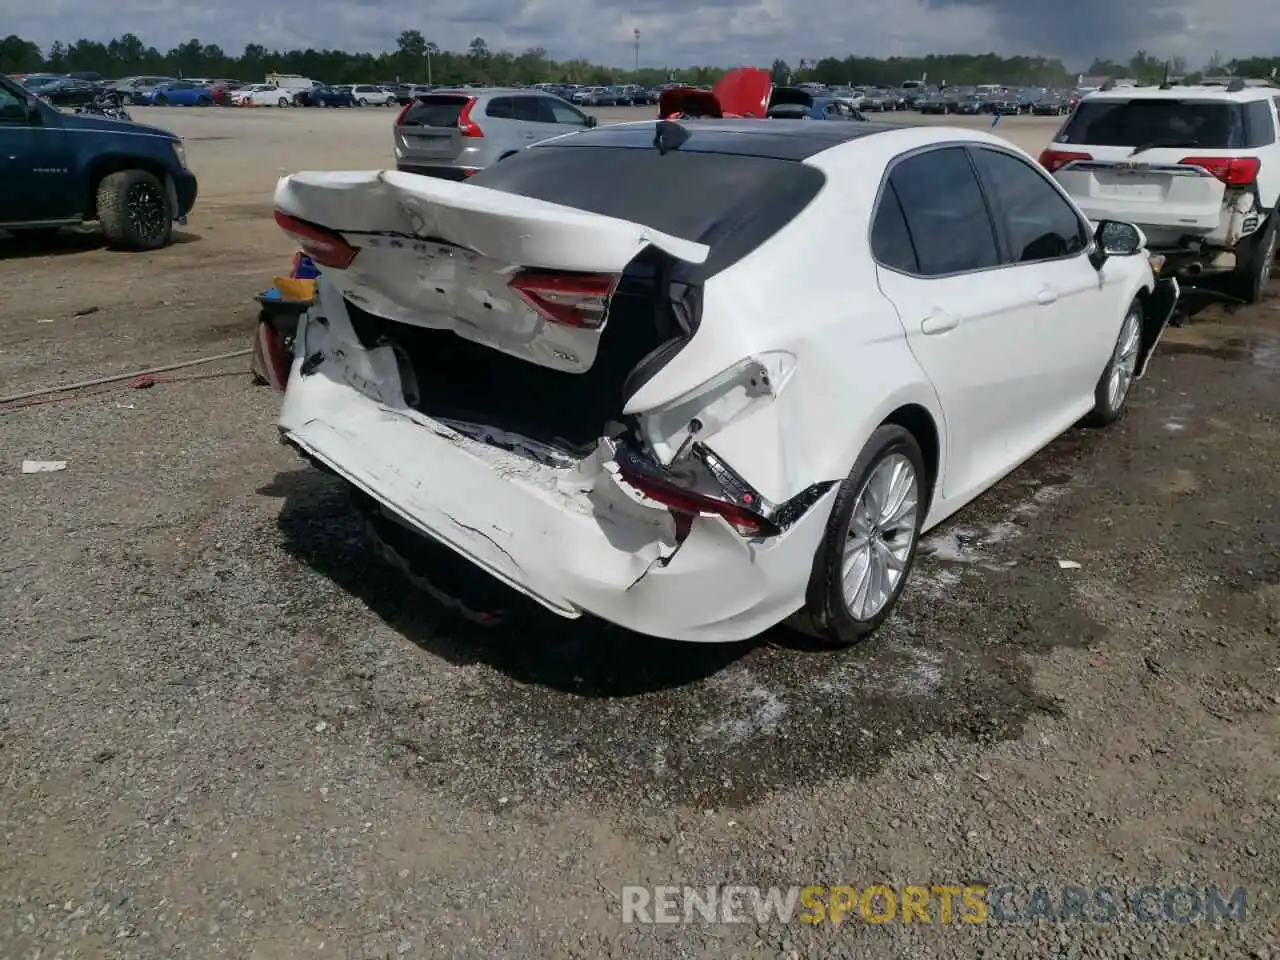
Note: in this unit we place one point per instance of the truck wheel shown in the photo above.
(134, 210)
(1255, 262)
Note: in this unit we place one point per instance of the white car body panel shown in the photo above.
(262, 96)
(789, 377)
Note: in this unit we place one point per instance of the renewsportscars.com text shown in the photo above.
(932, 904)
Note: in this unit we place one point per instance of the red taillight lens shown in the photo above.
(1053, 160)
(690, 504)
(325, 247)
(569, 299)
(403, 110)
(466, 126)
(1233, 171)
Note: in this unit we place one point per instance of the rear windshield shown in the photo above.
(1212, 124)
(731, 202)
(436, 110)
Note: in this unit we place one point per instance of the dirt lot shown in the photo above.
(225, 731)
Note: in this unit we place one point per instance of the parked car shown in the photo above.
(69, 92)
(575, 377)
(795, 103)
(367, 95)
(1197, 168)
(224, 92)
(180, 93)
(1050, 105)
(325, 97)
(938, 103)
(455, 133)
(63, 170)
(137, 88)
(263, 95)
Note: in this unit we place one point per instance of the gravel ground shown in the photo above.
(225, 730)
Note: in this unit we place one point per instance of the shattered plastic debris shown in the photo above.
(43, 466)
(1068, 565)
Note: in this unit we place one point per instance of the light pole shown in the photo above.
(428, 64)
(636, 34)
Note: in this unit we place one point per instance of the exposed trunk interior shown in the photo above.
(460, 380)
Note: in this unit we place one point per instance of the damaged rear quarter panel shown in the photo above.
(838, 340)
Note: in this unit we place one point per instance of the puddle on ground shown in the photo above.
(1256, 351)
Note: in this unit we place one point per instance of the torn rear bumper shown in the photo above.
(574, 539)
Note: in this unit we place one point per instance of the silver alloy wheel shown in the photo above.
(1125, 359)
(882, 533)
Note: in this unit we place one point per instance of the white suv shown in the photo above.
(1196, 167)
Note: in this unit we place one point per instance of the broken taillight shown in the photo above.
(569, 299)
(325, 247)
(689, 504)
(1053, 160)
(1233, 171)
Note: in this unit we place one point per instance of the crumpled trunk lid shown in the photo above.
(442, 254)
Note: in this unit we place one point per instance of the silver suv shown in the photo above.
(455, 133)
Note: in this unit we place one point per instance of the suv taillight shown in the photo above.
(569, 299)
(403, 110)
(1233, 171)
(1053, 160)
(325, 247)
(466, 126)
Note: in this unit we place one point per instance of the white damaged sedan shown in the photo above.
(699, 379)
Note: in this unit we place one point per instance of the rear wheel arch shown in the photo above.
(919, 422)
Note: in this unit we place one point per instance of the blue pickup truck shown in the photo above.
(59, 170)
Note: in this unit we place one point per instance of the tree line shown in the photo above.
(417, 59)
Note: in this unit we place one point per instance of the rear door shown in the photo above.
(1125, 160)
(543, 117)
(1074, 314)
(428, 131)
(969, 318)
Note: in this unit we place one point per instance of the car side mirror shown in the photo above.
(592, 122)
(1114, 238)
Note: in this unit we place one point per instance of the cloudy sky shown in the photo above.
(678, 33)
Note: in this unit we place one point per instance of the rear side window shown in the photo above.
(945, 212)
(501, 108)
(890, 239)
(1211, 124)
(534, 110)
(1260, 127)
(732, 203)
(439, 110)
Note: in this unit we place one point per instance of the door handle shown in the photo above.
(1046, 297)
(939, 322)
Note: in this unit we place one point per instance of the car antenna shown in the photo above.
(668, 136)
(1166, 83)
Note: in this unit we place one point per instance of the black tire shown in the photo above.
(363, 102)
(828, 613)
(282, 102)
(204, 101)
(133, 207)
(161, 100)
(1109, 406)
(1255, 263)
